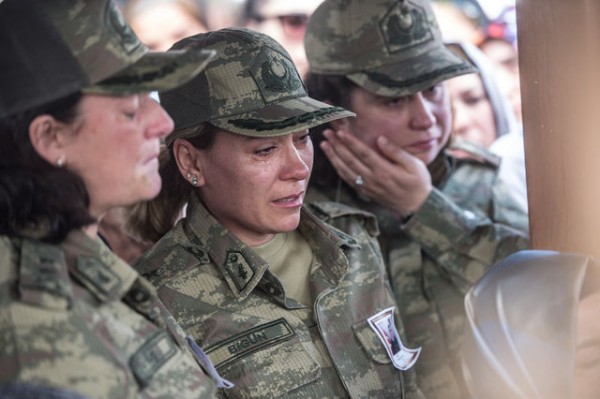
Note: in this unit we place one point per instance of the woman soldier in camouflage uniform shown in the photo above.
(79, 134)
(283, 304)
(443, 214)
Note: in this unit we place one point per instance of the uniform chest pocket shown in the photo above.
(391, 382)
(371, 343)
(264, 362)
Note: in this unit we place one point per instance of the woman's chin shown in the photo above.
(150, 189)
(289, 225)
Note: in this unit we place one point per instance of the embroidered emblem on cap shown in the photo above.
(238, 268)
(405, 25)
(275, 76)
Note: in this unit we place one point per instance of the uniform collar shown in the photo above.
(238, 264)
(441, 168)
(329, 243)
(243, 269)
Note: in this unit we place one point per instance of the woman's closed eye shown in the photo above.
(434, 93)
(265, 151)
(397, 101)
(305, 138)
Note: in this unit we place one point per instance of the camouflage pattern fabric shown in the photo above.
(79, 45)
(29, 391)
(251, 88)
(224, 295)
(445, 247)
(477, 185)
(76, 317)
(388, 47)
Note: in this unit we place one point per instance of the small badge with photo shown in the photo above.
(383, 324)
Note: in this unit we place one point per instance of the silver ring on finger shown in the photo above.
(359, 180)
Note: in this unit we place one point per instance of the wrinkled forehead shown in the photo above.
(286, 7)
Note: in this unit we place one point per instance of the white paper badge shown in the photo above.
(383, 324)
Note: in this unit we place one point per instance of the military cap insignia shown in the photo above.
(405, 25)
(238, 268)
(275, 76)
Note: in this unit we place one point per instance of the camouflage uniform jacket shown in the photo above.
(76, 317)
(223, 293)
(444, 248)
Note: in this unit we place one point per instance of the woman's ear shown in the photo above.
(188, 162)
(45, 136)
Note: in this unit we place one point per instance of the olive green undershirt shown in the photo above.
(290, 258)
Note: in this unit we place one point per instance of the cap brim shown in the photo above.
(155, 71)
(282, 118)
(414, 74)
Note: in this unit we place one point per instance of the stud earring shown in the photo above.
(194, 181)
(188, 175)
(60, 162)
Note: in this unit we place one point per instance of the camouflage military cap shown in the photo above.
(251, 87)
(388, 47)
(51, 49)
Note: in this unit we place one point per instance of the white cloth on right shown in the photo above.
(529, 333)
(511, 149)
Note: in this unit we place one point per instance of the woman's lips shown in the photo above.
(424, 145)
(291, 201)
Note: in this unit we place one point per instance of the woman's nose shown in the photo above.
(422, 116)
(161, 124)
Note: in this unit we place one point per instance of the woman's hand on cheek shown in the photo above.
(390, 176)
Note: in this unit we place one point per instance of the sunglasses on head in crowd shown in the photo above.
(292, 24)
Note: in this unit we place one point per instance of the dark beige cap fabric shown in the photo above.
(51, 49)
(388, 47)
(251, 87)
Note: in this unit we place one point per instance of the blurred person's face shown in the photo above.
(504, 57)
(503, 54)
(160, 26)
(255, 187)
(419, 123)
(113, 146)
(454, 24)
(473, 117)
(285, 21)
